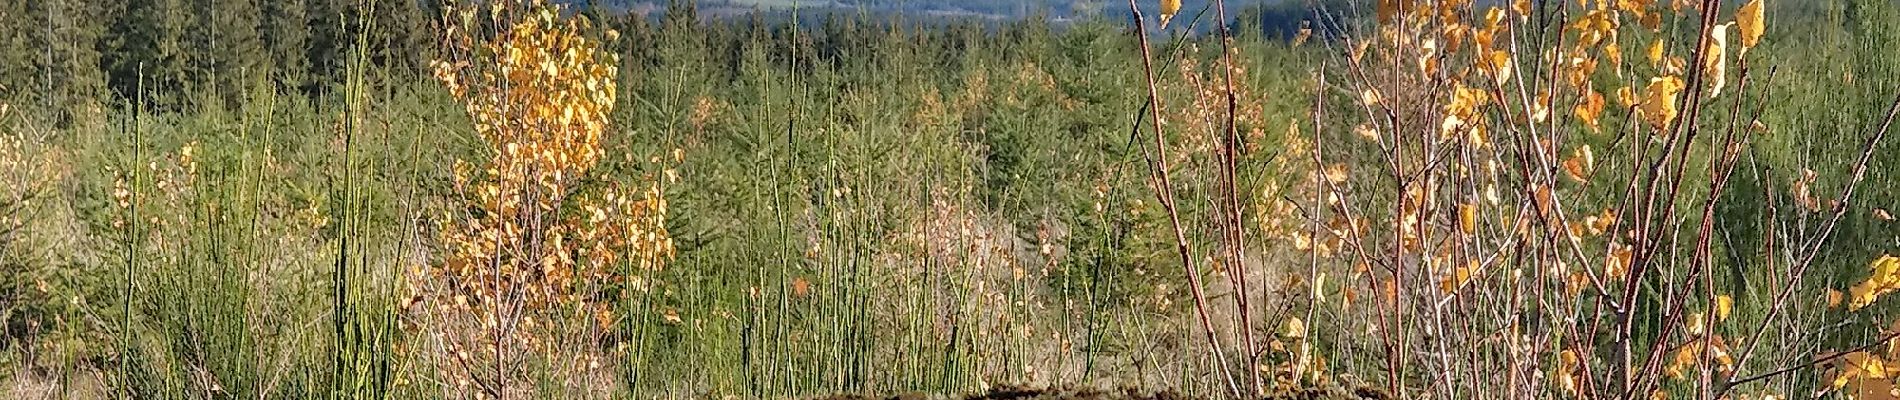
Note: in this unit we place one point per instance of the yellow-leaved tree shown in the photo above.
(537, 245)
(1499, 228)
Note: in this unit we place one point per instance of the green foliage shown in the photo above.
(863, 202)
(147, 42)
(286, 34)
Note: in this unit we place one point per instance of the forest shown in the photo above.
(721, 199)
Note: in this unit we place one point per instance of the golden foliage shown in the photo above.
(1885, 278)
(1691, 354)
(1522, 147)
(1714, 62)
(1655, 53)
(1566, 370)
(1659, 101)
(1590, 110)
(1863, 375)
(1168, 9)
(1748, 20)
(1296, 363)
(1468, 218)
(25, 173)
(531, 245)
(542, 108)
(1582, 161)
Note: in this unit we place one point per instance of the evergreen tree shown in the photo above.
(146, 49)
(286, 36)
(396, 31)
(226, 53)
(16, 62)
(65, 36)
(331, 24)
(399, 36)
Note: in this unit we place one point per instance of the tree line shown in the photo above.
(78, 56)
(75, 55)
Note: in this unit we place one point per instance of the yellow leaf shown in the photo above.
(1336, 173)
(1457, 277)
(1594, 27)
(1369, 97)
(1365, 131)
(672, 317)
(1492, 17)
(1723, 304)
(1499, 66)
(1748, 19)
(1543, 200)
(1615, 54)
(1714, 61)
(1834, 298)
(1590, 109)
(1659, 101)
(1168, 9)
(1601, 222)
(1566, 370)
(1581, 162)
(1866, 364)
(1292, 328)
(1884, 279)
(1861, 295)
(1684, 359)
(1886, 270)
(1619, 261)
(1468, 218)
(1656, 53)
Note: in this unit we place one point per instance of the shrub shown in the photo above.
(529, 261)
(1524, 210)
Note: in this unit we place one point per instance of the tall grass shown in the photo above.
(874, 207)
(365, 280)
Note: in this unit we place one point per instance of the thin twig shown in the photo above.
(1164, 191)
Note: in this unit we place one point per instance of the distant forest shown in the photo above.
(78, 55)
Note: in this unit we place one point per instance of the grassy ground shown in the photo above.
(855, 208)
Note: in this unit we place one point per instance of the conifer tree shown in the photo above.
(64, 37)
(146, 49)
(286, 36)
(226, 53)
(330, 39)
(16, 63)
(399, 36)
